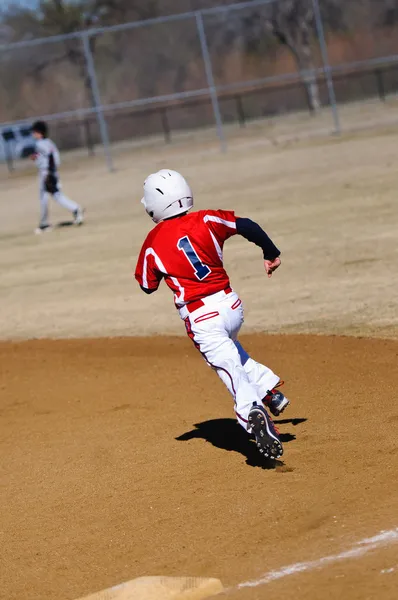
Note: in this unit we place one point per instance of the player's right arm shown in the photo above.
(147, 271)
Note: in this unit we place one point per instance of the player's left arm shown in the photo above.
(146, 272)
(252, 232)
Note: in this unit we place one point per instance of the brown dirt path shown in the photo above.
(97, 489)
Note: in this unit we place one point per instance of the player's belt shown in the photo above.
(192, 306)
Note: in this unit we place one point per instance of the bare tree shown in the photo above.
(388, 12)
(288, 23)
(291, 23)
(58, 17)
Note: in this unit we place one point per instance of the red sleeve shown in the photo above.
(222, 223)
(146, 272)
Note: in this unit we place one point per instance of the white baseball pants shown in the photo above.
(58, 197)
(214, 329)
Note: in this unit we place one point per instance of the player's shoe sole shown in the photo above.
(265, 432)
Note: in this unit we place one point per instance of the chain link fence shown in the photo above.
(221, 67)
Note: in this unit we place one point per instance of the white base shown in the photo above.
(161, 588)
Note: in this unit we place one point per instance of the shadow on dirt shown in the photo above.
(228, 435)
(294, 422)
(65, 224)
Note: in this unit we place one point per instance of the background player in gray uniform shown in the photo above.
(47, 160)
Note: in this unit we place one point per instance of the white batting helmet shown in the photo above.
(166, 194)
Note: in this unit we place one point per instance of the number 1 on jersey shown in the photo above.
(201, 270)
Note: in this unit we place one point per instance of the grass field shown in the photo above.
(123, 458)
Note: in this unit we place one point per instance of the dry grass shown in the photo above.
(330, 205)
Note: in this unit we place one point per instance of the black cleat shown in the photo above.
(78, 216)
(266, 434)
(43, 229)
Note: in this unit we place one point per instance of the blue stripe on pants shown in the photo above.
(244, 357)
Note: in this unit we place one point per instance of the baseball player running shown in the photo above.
(47, 159)
(186, 250)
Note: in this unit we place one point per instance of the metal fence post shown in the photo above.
(97, 101)
(380, 84)
(8, 137)
(210, 79)
(326, 66)
(165, 125)
(240, 110)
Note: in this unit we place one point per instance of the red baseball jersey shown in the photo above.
(187, 253)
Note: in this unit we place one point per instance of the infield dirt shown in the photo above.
(122, 458)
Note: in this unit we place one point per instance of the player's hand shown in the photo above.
(271, 265)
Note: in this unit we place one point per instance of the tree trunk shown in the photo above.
(306, 65)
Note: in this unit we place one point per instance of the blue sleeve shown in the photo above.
(253, 233)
